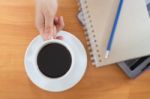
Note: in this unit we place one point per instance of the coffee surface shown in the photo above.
(54, 60)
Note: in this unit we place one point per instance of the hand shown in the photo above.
(47, 23)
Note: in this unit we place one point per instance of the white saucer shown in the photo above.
(57, 85)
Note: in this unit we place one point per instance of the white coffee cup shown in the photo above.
(61, 42)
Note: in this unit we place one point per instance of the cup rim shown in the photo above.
(61, 43)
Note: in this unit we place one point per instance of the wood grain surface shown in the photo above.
(17, 29)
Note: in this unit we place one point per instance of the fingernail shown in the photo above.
(60, 37)
(50, 37)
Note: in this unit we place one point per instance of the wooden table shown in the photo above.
(17, 30)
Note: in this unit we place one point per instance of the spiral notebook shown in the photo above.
(132, 35)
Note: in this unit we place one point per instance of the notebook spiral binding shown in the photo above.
(89, 33)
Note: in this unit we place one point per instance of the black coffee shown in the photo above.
(54, 60)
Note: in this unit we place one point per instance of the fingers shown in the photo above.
(49, 26)
(59, 23)
(45, 14)
(53, 35)
(55, 20)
